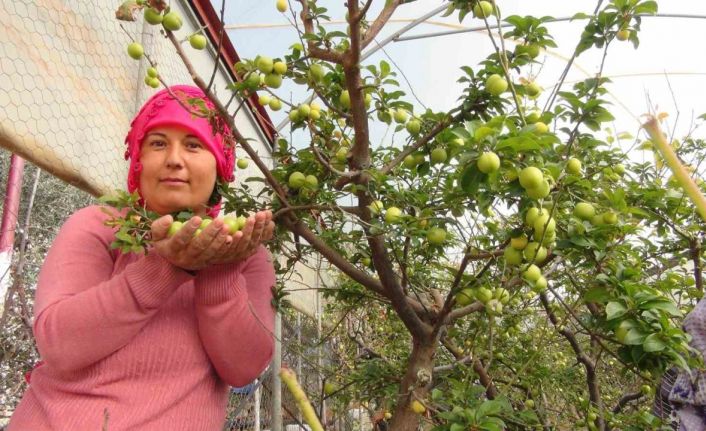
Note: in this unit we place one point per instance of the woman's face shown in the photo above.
(178, 171)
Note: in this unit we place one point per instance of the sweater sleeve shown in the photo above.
(83, 311)
(236, 317)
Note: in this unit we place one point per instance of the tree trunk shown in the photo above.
(415, 385)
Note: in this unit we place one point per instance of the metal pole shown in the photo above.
(9, 222)
(299, 355)
(318, 336)
(565, 18)
(257, 409)
(379, 46)
(276, 381)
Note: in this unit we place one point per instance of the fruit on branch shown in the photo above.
(311, 182)
(280, 67)
(438, 155)
(531, 50)
(242, 163)
(532, 273)
(436, 236)
(623, 34)
(541, 127)
(152, 72)
(172, 21)
(376, 207)
(275, 104)
(531, 177)
(584, 211)
(316, 72)
(495, 84)
(532, 215)
(543, 223)
(304, 110)
(273, 80)
(494, 307)
(519, 243)
(540, 192)
(464, 297)
(252, 80)
(483, 9)
(532, 89)
(573, 166)
(400, 115)
(198, 41)
(534, 252)
(152, 16)
(409, 162)
(610, 218)
(540, 285)
(282, 7)
(264, 100)
(393, 215)
(413, 127)
(296, 180)
(135, 50)
(488, 162)
(152, 82)
(264, 64)
(483, 294)
(329, 388)
(345, 99)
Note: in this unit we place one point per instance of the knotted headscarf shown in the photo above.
(162, 110)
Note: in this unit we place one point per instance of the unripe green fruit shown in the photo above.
(610, 218)
(152, 16)
(252, 80)
(345, 99)
(438, 155)
(393, 215)
(282, 6)
(488, 162)
(533, 89)
(584, 211)
(531, 177)
(483, 9)
(174, 228)
(152, 72)
(532, 273)
(400, 115)
(512, 256)
(540, 285)
(312, 182)
(316, 72)
(263, 100)
(152, 82)
(409, 162)
(275, 104)
(198, 41)
(413, 127)
(242, 163)
(280, 67)
(264, 64)
(495, 85)
(623, 35)
(534, 252)
(296, 180)
(436, 236)
(376, 207)
(540, 127)
(172, 21)
(520, 242)
(304, 110)
(573, 166)
(135, 50)
(542, 223)
(540, 192)
(464, 297)
(483, 294)
(273, 80)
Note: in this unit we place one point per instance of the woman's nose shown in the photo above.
(175, 157)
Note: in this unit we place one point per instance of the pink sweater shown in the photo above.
(139, 338)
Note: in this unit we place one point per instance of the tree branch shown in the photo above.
(490, 390)
(313, 50)
(379, 22)
(625, 399)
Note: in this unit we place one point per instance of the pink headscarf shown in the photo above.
(164, 110)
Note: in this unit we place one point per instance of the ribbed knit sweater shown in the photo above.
(137, 342)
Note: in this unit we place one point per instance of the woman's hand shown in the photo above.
(186, 250)
(258, 229)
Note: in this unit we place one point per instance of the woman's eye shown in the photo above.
(194, 145)
(158, 143)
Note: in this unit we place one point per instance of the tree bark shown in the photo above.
(415, 384)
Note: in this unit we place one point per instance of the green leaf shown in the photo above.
(653, 343)
(662, 304)
(457, 427)
(596, 294)
(614, 310)
(635, 336)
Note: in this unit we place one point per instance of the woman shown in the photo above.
(152, 342)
